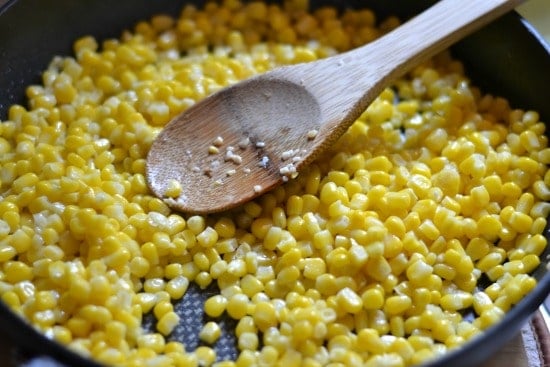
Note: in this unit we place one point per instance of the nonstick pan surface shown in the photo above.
(505, 58)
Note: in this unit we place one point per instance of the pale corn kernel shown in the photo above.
(210, 332)
(419, 271)
(314, 267)
(349, 301)
(174, 189)
(248, 341)
(205, 355)
(196, 224)
(208, 237)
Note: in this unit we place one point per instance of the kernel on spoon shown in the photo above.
(250, 137)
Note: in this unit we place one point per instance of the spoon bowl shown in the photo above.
(219, 158)
(257, 134)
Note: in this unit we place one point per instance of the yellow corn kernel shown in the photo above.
(480, 196)
(490, 317)
(444, 271)
(489, 261)
(477, 248)
(248, 341)
(215, 305)
(419, 271)
(208, 237)
(349, 301)
(395, 305)
(264, 315)
(521, 222)
(173, 189)
(457, 300)
(530, 263)
(428, 229)
(373, 298)
(7, 253)
(489, 226)
(17, 271)
(205, 355)
(443, 330)
(237, 306)
(168, 322)
(210, 332)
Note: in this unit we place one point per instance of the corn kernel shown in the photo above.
(210, 332)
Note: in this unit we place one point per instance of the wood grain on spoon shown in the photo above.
(268, 127)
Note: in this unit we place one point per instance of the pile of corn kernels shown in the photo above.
(369, 257)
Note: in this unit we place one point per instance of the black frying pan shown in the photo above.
(506, 58)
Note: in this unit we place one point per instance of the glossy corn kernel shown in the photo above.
(210, 332)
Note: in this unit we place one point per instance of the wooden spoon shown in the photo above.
(269, 127)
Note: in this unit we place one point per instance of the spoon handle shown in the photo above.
(347, 83)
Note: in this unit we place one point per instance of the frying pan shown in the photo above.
(507, 58)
